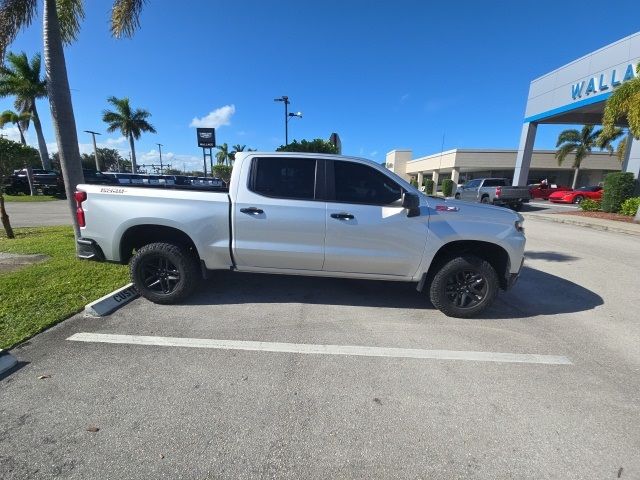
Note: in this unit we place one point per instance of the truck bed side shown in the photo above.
(112, 212)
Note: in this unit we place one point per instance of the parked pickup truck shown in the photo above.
(495, 191)
(304, 214)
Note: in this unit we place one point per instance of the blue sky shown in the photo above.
(383, 75)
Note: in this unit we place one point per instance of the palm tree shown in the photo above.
(61, 23)
(18, 119)
(236, 148)
(580, 143)
(624, 104)
(21, 78)
(223, 155)
(131, 123)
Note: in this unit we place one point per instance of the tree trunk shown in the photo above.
(64, 123)
(134, 165)
(575, 177)
(29, 171)
(5, 218)
(22, 139)
(42, 145)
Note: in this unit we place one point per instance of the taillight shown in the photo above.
(80, 197)
(498, 191)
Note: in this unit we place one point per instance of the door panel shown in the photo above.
(367, 230)
(271, 231)
(378, 240)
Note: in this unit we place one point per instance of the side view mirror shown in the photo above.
(411, 202)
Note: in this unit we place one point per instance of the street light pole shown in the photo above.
(95, 147)
(160, 149)
(286, 102)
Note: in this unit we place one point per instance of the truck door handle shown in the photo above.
(342, 216)
(252, 211)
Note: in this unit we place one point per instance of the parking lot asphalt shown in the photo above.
(202, 410)
(27, 214)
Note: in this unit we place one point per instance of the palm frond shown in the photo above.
(125, 17)
(623, 104)
(70, 15)
(14, 16)
(565, 150)
(568, 136)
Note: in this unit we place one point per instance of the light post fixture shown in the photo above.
(290, 116)
(284, 99)
(95, 147)
(160, 150)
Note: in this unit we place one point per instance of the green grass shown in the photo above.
(29, 198)
(41, 295)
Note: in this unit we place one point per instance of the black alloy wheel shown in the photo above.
(164, 273)
(160, 274)
(466, 288)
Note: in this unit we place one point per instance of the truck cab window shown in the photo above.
(285, 177)
(357, 183)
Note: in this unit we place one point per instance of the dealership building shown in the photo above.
(574, 94)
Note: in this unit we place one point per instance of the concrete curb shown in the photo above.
(7, 361)
(111, 302)
(557, 218)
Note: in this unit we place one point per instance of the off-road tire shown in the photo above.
(167, 262)
(457, 196)
(486, 200)
(443, 291)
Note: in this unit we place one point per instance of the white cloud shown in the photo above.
(115, 141)
(216, 118)
(10, 133)
(374, 153)
(404, 98)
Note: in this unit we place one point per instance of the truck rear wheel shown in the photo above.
(164, 273)
(464, 286)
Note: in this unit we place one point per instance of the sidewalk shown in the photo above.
(595, 223)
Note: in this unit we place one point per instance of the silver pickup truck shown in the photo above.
(304, 214)
(494, 191)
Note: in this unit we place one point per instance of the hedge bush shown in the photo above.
(589, 205)
(618, 186)
(447, 187)
(630, 206)
(428, 186)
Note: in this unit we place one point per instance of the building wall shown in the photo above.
(500, 163)
(568, 86)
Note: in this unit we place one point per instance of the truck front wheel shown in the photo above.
(464, 286)
(164, 273)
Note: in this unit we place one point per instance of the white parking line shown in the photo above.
(304, 348)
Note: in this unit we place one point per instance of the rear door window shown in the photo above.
(293, 178)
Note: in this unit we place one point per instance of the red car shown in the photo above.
(577, 195)
(543, 190)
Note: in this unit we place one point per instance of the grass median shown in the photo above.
(29, 198)
(38, 296)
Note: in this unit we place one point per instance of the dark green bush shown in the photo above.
(588, 205)
(413, 182)
(618, 186)
(428, 186)
(447, 187)
(630, 206)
